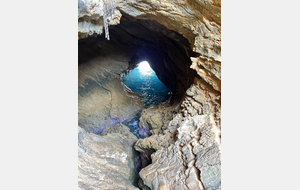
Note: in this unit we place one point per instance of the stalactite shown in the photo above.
(109, 8)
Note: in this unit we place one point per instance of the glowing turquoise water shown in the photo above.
(146, 83)
(143, 81)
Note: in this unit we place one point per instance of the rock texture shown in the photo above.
(90, 18)
(105, 162)
(121, 129)
(188, 152)
(102, 98)
(198, 21)
(156, 118)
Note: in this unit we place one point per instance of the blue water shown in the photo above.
(133, 125)
(144, 82)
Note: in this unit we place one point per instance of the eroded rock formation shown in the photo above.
(105, 162)
(182, 42)
(156, 118)
(188, 153)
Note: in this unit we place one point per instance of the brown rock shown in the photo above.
(156, 117)
(102, 96)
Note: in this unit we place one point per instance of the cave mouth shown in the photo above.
(103, 99)
(108, 68)
(143, 81)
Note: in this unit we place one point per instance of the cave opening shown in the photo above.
(120, 94)
(143, 80)
(102, 64)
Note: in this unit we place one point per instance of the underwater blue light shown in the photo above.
(143, 81)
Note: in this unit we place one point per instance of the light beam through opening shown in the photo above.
(144, 67)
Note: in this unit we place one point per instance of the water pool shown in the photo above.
(143, 81)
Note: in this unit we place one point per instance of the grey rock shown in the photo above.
(189, 156)
(105, 162)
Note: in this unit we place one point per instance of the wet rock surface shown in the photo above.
(105, 162)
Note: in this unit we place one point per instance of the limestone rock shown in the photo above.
(209, 71)
(102, 98)
(198, 21)
(188, 152)
(156, 117)
(154, 142)
(105, 162)
(142, 186)
(121, 129)
(90, 18)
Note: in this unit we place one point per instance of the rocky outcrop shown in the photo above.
(105, 162)
(121, 129)
(188, 152)
(156, 118)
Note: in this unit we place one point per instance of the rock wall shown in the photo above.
(156, 118)
(102, 98)
(197, 21)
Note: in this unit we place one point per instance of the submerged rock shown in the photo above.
(105, 162)
(123, 130)
(144, 131)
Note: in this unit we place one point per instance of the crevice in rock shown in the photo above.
(198, 172)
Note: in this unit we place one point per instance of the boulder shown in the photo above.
(106, 162)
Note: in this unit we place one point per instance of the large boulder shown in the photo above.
(106, 162)
(155, 118)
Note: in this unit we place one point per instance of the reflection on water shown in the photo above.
(143, 80)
